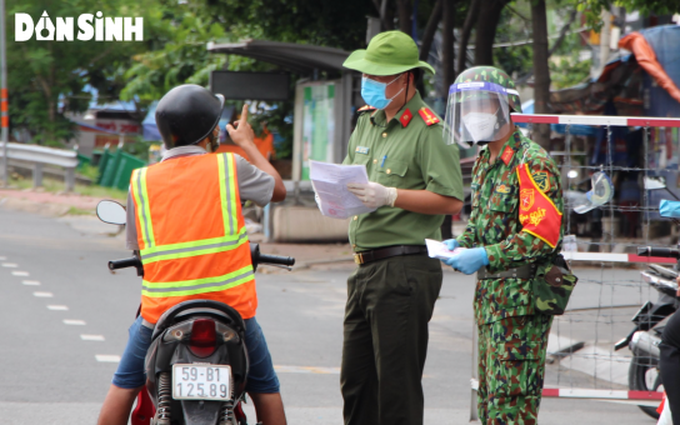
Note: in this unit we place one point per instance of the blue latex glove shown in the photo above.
(451, 244)
(469, 261)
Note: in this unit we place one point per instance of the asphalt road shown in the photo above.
(64, 319)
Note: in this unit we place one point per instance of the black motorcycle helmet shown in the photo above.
(188, 114)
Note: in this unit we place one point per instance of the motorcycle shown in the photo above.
(197, 362)
(651, 318)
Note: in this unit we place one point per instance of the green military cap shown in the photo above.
(388, 53)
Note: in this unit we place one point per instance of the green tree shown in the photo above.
(178, 55)
(331, 23)
(593, 8)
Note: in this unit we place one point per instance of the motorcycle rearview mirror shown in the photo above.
(111, 212)
(653, 183)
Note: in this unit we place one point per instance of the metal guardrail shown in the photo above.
(40, 156)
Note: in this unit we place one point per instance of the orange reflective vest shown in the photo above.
(537, 213)
(192, 235)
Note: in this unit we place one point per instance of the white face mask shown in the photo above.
(482, 126)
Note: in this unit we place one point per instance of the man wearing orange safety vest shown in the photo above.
(190, 235)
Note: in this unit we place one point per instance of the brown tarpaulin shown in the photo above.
(645, 56)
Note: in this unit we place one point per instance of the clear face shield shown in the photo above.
(477, 113)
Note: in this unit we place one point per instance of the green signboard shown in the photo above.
(318, 131)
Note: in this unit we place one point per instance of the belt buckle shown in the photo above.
(359, 258)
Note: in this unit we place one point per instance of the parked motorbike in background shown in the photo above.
(650, 320)
(197, 362)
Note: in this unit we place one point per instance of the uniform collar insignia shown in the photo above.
(507, 155)
(511, 147)
(405, 117)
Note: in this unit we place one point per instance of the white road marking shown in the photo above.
(43, 294)
(107, 358)
(57, 307)
(31, 282)
(17, 273)
(74, 322)
(3, 258)
(10, 265)
(92, 337)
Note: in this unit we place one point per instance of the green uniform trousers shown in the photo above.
(389, 305)
(511, 369)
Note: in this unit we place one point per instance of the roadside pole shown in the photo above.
(4, 116)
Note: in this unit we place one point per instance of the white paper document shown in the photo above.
(330, 185)
(439, 250)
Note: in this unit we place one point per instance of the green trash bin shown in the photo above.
(103, 164)
(116, 168)
(126, 164)
(110, 166)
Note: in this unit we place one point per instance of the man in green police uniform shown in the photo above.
(414, 180)
(515, 230)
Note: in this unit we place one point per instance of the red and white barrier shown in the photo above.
(602, 394)
(598, 120)
(649, 398)
(615, 258)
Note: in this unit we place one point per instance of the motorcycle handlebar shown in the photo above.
(124, 263)
(658, 252)
(256, 256)
(276, 259)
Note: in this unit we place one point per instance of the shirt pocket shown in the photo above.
(503, 202)
(361, 159)
(392, 172)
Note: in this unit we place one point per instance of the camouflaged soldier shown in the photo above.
(512, 240)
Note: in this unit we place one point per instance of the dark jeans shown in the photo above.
(389, 305)
(670, 365)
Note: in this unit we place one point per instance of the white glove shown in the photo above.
(374, 195)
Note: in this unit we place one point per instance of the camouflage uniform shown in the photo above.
(512, 334)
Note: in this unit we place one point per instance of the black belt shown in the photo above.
(523, 272)
(390, 251)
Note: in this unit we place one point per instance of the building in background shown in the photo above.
(103, 125)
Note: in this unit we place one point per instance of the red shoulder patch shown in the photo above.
(428, 116)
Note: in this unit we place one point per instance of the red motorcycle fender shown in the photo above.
(144, 411)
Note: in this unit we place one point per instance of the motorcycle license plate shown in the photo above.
(201, 382)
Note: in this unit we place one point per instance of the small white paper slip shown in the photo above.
(438, 250)
(330, 185)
